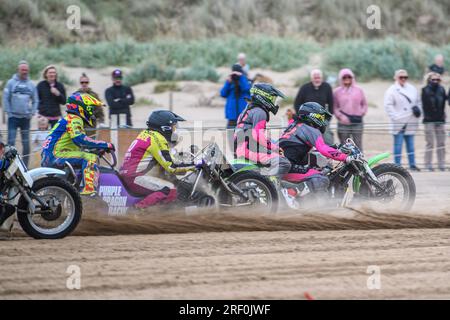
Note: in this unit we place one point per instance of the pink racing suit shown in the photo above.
(251, 142)
(296, 142)
(150, 150)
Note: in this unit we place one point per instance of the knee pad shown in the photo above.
(318, 183)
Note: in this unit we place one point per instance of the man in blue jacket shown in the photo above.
(236, 90)
(20, 101)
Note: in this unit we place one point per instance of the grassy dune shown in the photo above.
(146, 20)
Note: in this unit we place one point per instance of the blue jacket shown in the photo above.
(228, 92)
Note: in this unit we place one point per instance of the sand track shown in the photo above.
(414, 263)
(223, 256)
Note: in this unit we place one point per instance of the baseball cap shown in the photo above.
(117, 73)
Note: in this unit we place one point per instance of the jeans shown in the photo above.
(435, 131)
(353, 131)
(24, 125)
(128, 118)
(398, 145)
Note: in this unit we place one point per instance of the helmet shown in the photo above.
(162, 121)
(83, 105)
(265, 95)
(313, 114)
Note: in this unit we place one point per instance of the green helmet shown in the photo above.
(265, 95)
(313, 114)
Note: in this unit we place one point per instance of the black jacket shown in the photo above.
(322, 95)
(433, 104)
(437, 69)
(124, 93)
(49, 104)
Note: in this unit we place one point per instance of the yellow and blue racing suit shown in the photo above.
(63, 144)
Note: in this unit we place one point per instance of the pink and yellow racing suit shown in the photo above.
(148, 151)
(251, 142)
(296, 142)
(63, 145)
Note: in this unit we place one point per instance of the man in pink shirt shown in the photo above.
(350, 106)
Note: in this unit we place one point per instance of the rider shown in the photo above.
(250, 139)
(68, 136)
(299, 138)
(151, 150)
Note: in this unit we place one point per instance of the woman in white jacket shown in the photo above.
(403, 106)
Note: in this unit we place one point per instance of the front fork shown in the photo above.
(350, 192)
(26, 195)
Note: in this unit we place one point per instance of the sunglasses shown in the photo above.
(403, 77)
(347, 77)
(84, 82)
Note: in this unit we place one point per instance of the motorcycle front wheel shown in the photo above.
(399, 188)
(263, 196)
(63, 213)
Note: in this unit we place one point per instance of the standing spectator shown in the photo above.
(52, 95)
(119, 98)
(438, 65)
(20, 101)
(402, 104)
(433, 104)
(242, 60)
(350, 106)
(236, 90)
(290, 115)
(38, 138)
(85, 88)
(317, 91)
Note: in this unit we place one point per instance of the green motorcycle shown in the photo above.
(359, 180)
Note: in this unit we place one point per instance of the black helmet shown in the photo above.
(162, 121)
(313, 114)
(237, 67)
(265, 95)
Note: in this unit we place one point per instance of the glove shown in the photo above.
(199, 164)
(110, 148)
(10, 153)
(352, 157)
(4, 164)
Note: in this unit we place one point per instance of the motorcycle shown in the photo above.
(362, 180)
(214, 184)
(47, 206)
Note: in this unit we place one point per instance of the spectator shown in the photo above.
(402, 104)
(98, 113)
(433, 103)
(52, 95)
(20, 101)
(119, 98)
(317, 91)
(438, 65)
(350, 106)
(242, 60)
(236, 89)
(290, 115)
(38, 137)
